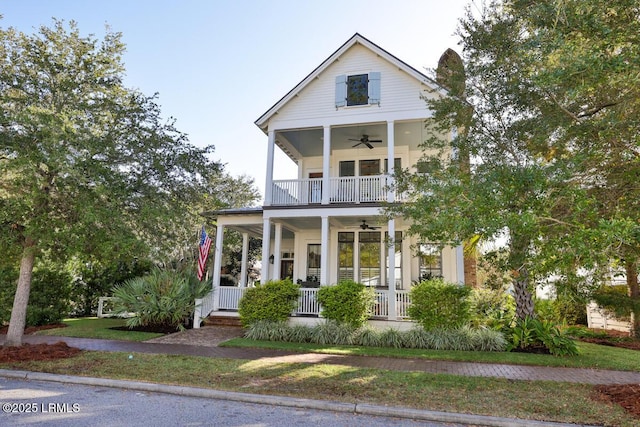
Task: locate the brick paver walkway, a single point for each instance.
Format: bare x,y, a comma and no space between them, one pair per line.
514,372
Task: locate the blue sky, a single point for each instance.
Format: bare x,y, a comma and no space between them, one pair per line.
219,64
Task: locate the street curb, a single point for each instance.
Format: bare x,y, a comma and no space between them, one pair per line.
358,408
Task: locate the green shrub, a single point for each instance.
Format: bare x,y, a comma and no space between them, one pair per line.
266,330
299,333
347,302
616,301
162,299
49,296
391,338
367,336
493,308
93,280
438,304
332,332
531,333
273,301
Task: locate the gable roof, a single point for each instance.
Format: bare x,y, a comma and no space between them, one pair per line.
355,39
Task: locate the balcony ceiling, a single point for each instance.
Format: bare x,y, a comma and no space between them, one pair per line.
308,142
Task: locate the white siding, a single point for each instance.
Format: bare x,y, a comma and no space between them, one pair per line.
316,102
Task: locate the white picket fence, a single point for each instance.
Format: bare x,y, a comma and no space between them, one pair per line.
598,318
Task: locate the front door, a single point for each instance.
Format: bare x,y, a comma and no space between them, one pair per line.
286,269
315,187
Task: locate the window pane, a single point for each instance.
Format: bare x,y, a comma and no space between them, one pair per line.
369,167
358,89
430,261
348,168
345,255
397,165
313,263
370,246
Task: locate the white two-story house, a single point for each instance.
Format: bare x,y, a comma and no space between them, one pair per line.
348,125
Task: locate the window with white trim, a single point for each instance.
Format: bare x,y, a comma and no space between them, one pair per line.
430,256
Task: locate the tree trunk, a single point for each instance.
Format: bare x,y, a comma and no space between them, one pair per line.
523,297
521,293
631,268
21,300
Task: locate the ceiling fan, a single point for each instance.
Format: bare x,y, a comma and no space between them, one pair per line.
365,140
365,226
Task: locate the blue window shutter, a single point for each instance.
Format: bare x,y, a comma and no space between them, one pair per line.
374,88
341,90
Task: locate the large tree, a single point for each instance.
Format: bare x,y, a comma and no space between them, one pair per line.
87,165
549,123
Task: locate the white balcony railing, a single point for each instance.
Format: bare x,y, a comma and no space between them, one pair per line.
352,189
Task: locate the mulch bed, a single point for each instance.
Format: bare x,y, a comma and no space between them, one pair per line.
28,352
625,395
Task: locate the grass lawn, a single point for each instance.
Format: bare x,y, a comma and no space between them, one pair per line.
93,327
538,400
591,355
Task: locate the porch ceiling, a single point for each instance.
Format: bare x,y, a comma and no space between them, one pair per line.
308,142
296,224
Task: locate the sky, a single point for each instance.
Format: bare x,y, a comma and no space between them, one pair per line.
218,65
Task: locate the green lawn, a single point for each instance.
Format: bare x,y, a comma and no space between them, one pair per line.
93,327
592,355
537,400
534,400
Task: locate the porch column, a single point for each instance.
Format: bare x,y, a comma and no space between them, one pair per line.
391,193
391,277
243,261
460,265
217,264
326,157
324,252
269,181
266,241
277,252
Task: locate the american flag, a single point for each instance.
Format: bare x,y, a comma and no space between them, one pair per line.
205,243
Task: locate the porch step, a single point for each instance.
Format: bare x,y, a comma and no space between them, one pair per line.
222,321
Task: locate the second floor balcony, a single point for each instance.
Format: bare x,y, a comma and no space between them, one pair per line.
342,190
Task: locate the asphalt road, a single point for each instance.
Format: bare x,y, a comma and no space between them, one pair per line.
41,403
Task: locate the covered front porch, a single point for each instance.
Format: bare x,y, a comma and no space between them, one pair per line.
325,245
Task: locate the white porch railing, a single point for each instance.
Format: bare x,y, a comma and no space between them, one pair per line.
352,189
307,303
230,296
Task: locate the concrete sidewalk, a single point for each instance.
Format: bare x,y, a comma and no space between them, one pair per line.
513,372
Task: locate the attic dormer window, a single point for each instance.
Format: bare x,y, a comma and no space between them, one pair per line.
358,89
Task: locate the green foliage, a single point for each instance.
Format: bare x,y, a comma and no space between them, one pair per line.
531,333
368,337
163,298
49,300
616,300
493,308
333,333
438,304
273,301
347,302
93,280
391,338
